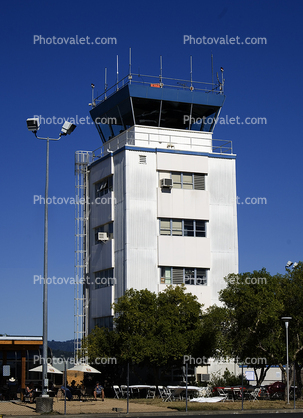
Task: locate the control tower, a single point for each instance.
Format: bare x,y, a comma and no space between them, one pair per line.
162,194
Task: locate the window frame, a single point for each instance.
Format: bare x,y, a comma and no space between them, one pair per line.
184,183
183,229
107,188
194,280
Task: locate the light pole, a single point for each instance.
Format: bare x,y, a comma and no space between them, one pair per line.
33,125
286,320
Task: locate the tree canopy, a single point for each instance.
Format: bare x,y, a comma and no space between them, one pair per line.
249,326
155,330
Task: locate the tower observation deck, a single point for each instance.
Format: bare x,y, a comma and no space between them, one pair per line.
157,102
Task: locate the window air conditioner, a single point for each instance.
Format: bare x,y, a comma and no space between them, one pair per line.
166,183
102,236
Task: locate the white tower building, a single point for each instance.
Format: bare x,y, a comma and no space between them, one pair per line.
162,195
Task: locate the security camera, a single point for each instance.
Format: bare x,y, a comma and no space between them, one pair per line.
67,128
33,124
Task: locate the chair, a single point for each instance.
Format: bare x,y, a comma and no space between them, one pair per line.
117,391
255,394
222,394
151,393
167,394
123,389
135,392
161,392
237,394
171,395
85,394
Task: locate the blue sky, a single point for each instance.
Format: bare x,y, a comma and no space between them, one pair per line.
262,81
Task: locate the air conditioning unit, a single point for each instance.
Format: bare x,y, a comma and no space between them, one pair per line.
102,236
167,183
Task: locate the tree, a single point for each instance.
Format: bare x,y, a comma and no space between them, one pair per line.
157,330
154,330
250,322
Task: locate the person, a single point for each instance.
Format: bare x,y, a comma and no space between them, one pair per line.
29,391
75,390
67,390
99,390
12,386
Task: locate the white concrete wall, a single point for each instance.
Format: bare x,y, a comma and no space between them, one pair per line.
152,137
274,374
184,251
137,251
141,221
183,204
222,228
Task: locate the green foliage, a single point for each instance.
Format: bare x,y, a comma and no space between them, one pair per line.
157,329
151,329
249,325
228,379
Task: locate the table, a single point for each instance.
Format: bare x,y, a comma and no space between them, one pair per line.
137,388
235,392
175,391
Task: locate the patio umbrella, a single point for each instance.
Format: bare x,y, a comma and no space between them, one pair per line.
50,369
84,367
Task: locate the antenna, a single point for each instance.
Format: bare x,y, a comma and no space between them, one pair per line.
105,81
130,66
130,62
222,71
212,70
93,100
117,72
191,73
161,70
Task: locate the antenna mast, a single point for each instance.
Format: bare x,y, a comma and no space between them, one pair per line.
191,72
161,70
117,72
212,70
105,81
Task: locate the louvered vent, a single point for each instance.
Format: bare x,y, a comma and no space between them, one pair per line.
142,159
177,276
199,181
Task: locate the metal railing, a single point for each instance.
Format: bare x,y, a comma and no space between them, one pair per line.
216,146
159,82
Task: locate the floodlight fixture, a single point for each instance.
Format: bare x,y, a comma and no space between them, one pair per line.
295,265
286,319
289,263
67,128
33,124
92,85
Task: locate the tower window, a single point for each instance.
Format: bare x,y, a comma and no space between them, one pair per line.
190,181
186,275
183,227
104,186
